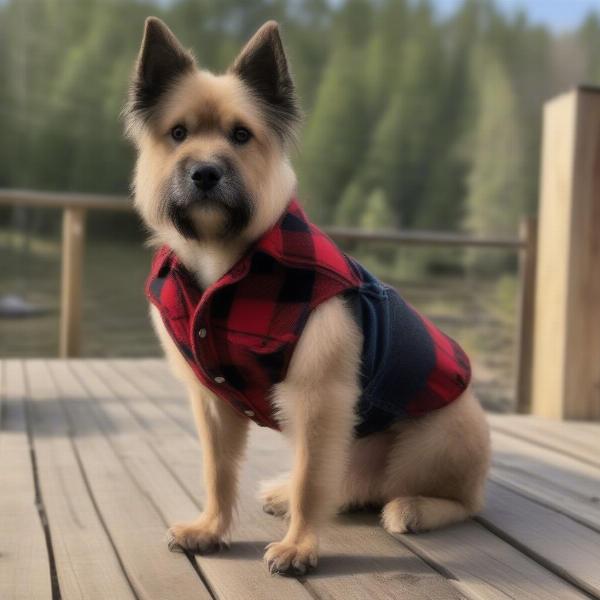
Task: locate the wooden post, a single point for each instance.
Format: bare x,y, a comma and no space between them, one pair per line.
73,235
566,366
527,268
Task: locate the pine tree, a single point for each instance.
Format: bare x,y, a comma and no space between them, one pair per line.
377,213
351,206
399,155
496,181
336,136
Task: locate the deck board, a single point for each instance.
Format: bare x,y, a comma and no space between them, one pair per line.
24,564
563,545
381,570
570,439
480,564
228,578
117,460
85,561
136,527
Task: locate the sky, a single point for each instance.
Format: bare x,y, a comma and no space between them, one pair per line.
559,15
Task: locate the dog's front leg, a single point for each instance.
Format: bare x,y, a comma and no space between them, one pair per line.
223,435
320,451
316,403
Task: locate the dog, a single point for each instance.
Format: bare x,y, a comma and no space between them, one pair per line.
265,320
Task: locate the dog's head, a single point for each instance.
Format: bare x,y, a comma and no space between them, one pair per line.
212,149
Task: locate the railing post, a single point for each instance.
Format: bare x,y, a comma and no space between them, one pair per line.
73,236
527,266
566,365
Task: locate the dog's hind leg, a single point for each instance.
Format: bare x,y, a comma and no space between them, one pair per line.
275,496
411,515
437,468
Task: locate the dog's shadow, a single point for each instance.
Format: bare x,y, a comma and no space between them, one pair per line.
334,565
381,560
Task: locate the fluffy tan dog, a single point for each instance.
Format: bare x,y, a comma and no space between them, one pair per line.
212,176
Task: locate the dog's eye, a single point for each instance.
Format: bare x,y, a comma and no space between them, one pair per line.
240,135
179,133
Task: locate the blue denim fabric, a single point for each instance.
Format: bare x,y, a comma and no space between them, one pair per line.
397,357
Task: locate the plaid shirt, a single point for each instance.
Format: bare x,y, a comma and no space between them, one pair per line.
239,334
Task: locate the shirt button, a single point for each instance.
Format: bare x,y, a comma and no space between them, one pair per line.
249,413
220,379
202,333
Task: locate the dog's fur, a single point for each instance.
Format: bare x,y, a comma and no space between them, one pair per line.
427,472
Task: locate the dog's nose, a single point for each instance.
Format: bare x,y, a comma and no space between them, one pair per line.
206,176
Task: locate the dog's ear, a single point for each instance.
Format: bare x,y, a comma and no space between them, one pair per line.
263,67
162,59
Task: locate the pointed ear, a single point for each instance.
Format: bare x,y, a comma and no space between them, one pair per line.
263,67
161,61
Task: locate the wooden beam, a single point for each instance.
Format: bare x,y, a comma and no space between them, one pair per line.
64,200
527,268
73,235
421,238
121,203
566,367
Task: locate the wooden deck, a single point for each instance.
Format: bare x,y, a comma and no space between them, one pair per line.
97,457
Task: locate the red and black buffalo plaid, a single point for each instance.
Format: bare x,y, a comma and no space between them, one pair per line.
239,334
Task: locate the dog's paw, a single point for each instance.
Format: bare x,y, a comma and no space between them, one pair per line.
197,537
291,559
402,515
275,497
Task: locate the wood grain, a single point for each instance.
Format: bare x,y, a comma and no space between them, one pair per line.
566,370
542,464
564,546
349,567
480,563
133,522
24,564
86,563
564,437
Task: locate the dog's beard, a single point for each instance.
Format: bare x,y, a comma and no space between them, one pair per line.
221,214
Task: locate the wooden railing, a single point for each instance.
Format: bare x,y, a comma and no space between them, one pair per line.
76,206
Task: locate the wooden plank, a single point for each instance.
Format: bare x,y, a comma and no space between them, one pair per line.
556,481
163,479
73,239
566,357
85,561
567,438
543,492
482,565
24,564
566,547
132,521
488,567
564,472
380,569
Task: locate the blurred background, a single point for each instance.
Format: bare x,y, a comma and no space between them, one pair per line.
420,115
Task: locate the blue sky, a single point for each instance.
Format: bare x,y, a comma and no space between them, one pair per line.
560,15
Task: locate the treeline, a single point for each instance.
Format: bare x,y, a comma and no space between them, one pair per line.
412,121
